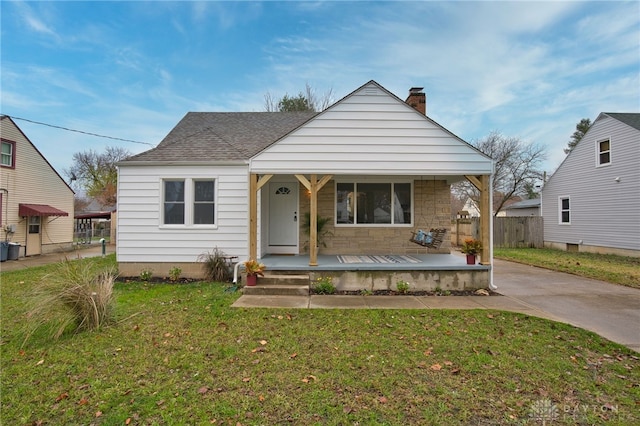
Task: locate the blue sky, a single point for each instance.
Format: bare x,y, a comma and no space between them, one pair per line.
132,70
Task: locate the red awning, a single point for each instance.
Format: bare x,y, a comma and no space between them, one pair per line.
39,210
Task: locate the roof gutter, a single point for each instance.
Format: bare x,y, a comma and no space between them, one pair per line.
182,163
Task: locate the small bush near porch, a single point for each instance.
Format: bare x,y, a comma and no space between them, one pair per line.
180,355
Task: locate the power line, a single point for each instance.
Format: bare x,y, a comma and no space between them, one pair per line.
77,131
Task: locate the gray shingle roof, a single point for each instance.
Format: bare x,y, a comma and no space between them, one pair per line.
223,136
629,118
524,204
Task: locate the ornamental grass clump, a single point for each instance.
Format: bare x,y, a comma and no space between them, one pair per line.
75,297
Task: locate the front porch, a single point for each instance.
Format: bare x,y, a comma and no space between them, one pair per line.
422,272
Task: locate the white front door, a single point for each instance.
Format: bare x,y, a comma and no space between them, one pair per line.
283,217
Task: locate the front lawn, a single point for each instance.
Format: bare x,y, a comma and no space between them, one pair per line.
179,354
605,267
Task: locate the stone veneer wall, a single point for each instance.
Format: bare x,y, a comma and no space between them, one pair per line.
432,209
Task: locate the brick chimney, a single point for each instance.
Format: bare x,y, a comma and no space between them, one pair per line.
418,100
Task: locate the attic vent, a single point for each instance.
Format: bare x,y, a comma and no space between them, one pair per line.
371,91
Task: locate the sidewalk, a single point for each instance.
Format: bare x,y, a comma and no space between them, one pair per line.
81,251
610,310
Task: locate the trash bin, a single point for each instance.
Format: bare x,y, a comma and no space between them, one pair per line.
4,251
14,251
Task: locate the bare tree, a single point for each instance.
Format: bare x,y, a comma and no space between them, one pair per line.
304,101
96,173
517,167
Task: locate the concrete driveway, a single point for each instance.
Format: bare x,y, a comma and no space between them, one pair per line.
610,310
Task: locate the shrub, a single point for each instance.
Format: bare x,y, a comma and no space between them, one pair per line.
402,286
174,273
146,274
324,285
75,297
216,266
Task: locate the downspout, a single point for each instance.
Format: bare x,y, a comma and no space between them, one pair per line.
492,286
235,271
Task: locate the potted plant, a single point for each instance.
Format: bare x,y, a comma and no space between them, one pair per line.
253,268
321,222
471,247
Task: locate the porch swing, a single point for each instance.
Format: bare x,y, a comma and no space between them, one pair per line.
434,236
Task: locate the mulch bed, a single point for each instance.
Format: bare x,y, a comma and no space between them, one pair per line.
413,293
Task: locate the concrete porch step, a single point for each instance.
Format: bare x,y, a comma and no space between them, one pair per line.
280,285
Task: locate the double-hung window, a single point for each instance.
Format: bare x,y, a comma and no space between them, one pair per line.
8,156
564,210
604,152
188,202
373,203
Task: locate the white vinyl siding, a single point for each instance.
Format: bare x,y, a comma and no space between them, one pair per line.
605,201
371,132
142,237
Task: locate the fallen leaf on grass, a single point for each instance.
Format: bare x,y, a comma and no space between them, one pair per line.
246,379
128,421
83,401
448,363
159,403
98,413
436,367
62,396
261,398
259,349
40,362
382,400
203,390
263,342
309,378
293,355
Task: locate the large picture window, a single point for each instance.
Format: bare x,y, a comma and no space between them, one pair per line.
189,201
364,203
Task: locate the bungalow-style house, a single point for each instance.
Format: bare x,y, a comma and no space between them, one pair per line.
254,185
36,204
591,202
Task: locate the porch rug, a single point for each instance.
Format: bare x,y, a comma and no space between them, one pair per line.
377,259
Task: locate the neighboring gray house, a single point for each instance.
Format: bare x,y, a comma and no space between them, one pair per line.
592,201
524,208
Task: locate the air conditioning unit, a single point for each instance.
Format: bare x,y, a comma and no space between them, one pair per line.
11,229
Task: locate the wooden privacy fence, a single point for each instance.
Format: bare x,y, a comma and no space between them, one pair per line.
508,232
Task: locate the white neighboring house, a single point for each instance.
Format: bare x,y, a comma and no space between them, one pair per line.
592,202
471,207
375,165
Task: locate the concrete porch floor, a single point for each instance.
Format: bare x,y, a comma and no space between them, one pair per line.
428,262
